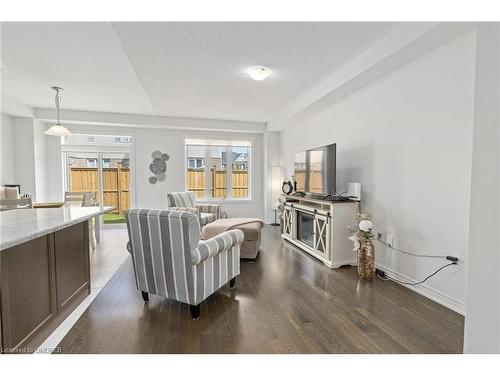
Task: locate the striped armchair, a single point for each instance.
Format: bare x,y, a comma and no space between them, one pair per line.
170,260
186,201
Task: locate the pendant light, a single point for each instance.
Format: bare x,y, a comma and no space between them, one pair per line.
58,130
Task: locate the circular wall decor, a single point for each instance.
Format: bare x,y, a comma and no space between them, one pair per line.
158,166
156,154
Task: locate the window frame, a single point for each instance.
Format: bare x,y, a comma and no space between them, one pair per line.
224,142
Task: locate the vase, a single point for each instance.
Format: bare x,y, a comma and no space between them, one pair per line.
366,259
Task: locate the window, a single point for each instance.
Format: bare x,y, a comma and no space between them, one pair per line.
196,163
207,173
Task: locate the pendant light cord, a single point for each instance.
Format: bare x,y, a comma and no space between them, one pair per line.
58,101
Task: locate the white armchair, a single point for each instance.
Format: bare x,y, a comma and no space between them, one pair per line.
171,261
186,201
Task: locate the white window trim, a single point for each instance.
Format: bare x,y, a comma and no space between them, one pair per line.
228,143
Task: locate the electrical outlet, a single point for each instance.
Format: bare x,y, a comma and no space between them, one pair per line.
390,240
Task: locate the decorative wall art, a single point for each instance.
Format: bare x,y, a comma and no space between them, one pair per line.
158,166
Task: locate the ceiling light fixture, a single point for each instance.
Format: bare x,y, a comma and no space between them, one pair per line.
58,130
259,73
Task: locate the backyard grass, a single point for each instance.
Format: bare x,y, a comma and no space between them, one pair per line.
114,218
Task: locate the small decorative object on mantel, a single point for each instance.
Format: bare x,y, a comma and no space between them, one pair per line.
363,244
158,166
287,187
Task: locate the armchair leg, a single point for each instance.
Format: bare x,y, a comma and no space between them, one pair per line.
195,311
232,283
145,296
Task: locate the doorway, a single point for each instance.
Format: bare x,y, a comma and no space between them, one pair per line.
104,171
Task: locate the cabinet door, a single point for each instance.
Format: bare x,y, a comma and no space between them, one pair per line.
321,236
72,265
287,221
28,293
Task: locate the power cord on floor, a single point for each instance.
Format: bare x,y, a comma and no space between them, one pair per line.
382,275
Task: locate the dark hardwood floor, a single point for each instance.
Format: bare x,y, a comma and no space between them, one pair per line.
284,302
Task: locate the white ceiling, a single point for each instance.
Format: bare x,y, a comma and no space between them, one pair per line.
175,69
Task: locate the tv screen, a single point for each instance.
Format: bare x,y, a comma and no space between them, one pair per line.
315,170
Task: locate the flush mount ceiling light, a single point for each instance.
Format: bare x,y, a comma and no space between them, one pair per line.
58,130
259,73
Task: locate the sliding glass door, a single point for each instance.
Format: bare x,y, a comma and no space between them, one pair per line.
82,174
115,185
106,175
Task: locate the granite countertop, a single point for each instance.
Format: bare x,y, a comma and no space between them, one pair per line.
22,225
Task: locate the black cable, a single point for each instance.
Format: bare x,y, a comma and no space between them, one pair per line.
420,282
411,253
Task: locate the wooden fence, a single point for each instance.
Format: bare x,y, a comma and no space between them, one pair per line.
196,183
115,183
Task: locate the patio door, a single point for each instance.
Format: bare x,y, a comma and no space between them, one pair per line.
106,175
82,174
115,191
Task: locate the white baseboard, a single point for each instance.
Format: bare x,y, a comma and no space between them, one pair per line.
426,291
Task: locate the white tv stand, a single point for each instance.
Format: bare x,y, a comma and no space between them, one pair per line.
319,227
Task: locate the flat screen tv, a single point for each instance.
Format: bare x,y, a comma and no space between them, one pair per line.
315,170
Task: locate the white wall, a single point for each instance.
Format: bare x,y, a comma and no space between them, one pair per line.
170,141
7,174
41,163
482,322
24,155
407,139
271,159
54,173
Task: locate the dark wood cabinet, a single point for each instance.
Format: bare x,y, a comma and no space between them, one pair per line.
72,266
41,282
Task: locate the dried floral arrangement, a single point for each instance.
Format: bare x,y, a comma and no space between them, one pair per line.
362,237
280,205
363,227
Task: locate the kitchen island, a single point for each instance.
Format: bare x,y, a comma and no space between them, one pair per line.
44,271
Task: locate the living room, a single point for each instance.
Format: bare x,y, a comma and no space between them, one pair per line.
249,187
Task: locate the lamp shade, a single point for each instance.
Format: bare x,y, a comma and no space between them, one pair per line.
276,180
57,130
